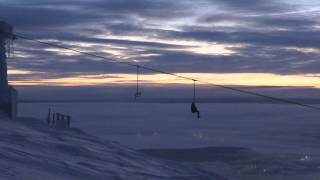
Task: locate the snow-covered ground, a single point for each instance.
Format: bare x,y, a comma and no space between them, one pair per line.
247,141
29,149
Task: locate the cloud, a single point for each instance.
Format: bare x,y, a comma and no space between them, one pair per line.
268,22
292,38
34,17
266,39
144,8
251,6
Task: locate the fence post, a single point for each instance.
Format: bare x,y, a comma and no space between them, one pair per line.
49,117
68,121
57,120
53,119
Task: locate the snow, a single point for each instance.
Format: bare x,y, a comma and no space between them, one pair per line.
264,127
257,141
29,149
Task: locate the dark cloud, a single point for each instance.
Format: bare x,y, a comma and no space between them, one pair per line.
252,6
27,17
143,8
302,39
151,8
270,38
295,23
287,22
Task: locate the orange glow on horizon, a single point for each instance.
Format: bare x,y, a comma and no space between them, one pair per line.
18,72
236,79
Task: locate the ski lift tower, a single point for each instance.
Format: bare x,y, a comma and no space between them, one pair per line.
8,95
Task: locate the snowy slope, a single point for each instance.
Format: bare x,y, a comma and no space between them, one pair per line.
237,140
31,150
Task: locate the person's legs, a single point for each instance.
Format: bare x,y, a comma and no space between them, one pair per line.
198,112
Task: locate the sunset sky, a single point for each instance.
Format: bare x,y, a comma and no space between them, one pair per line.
230,42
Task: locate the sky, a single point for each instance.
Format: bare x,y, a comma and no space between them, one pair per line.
230,42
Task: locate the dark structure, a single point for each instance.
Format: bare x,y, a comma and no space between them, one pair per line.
8,95
58,121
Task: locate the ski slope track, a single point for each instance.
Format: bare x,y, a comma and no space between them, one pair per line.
29,149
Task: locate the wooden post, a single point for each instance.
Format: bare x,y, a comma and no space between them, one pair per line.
68,121
49,117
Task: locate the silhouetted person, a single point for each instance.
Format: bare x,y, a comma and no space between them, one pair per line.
194,109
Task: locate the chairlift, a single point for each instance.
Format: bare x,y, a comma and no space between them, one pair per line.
194,108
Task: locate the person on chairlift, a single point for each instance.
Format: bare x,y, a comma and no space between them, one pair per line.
194,109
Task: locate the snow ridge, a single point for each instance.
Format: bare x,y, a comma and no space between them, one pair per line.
31,150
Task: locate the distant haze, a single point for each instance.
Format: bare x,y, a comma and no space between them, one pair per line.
178,93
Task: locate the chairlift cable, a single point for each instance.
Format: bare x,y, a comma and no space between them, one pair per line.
168,73
137,78
138,93
194,91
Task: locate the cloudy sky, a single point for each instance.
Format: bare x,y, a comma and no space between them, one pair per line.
235,42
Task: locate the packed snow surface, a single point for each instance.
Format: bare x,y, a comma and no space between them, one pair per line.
29,149
246,141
